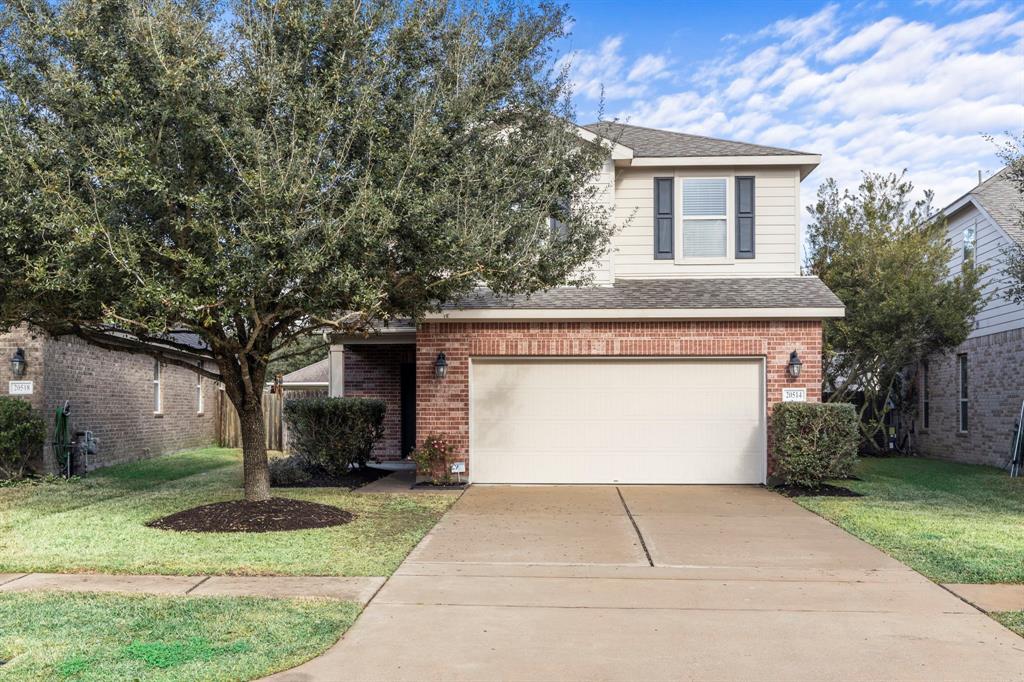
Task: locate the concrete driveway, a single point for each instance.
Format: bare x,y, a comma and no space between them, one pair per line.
658,583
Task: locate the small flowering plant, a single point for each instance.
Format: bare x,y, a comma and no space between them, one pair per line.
433,458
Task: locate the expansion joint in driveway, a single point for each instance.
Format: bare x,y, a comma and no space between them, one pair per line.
640,535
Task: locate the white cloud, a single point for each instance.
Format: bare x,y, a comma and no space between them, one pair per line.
650,66
804,30
865,39
594,73
882,96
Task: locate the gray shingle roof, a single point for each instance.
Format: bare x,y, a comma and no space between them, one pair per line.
1000,198
665,143
319,371
761,292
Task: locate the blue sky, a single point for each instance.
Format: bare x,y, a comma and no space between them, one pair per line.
871,86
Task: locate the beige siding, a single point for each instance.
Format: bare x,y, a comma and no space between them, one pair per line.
777,220
605,197
999,314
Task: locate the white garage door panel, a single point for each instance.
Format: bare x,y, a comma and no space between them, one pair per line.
617,421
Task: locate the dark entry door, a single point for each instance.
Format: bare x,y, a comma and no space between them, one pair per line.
407,392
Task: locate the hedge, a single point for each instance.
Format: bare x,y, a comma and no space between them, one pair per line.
334,434
814,442
22,433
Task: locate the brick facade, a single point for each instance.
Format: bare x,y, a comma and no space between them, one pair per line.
995,365
374,371
442,406
111,394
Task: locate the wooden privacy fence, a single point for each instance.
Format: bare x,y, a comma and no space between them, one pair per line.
229,431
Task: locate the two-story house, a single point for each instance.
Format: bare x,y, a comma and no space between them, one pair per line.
664,371
969,399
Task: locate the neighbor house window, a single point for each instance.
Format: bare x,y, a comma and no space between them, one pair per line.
961,362
705,219
199,389
158,394
969,237
925,396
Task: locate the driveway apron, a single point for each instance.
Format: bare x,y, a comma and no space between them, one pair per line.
658,583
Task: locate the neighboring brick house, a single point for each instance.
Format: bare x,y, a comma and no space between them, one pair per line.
969,399
135,407
665,371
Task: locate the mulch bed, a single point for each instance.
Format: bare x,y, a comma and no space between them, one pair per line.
441,486
355,478
823,490
242,516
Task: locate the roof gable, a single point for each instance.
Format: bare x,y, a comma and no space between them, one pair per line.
649,142
1000,199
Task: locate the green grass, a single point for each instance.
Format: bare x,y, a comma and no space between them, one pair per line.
97,524
955,523
1011,619
84,637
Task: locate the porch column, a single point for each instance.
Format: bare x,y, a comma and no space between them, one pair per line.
336,361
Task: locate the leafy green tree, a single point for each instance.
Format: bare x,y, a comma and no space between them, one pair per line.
887,258
1012,153
255,172
302,351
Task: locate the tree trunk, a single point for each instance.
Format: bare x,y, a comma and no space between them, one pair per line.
256,474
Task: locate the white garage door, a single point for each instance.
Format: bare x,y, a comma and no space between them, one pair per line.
617,421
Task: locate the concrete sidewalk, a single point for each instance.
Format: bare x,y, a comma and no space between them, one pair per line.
990,598
658,583
359,590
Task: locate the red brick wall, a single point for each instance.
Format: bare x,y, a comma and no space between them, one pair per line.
995,377
111,395
373,371
33,347
442,406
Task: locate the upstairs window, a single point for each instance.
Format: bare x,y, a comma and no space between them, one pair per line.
969,237
560,213
705,217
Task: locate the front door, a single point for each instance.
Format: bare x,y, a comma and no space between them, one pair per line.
407,391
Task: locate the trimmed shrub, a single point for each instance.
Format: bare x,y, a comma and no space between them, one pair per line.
288,471
814,442
334,434
22,433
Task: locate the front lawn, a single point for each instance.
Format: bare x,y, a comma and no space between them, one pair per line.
97,524
955,523
85,637
1011,619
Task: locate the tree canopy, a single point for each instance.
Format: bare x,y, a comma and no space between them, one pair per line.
887,258
1012,153
253,171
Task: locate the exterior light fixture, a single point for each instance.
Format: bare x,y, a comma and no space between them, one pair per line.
794,365
441,366
18,364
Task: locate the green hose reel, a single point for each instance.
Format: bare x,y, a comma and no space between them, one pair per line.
62,439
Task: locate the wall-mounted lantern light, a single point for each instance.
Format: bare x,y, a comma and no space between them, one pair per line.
794,365
441,366
18,364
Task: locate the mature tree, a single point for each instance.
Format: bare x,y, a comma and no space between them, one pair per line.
887,258
255,172
1012,153
303,351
